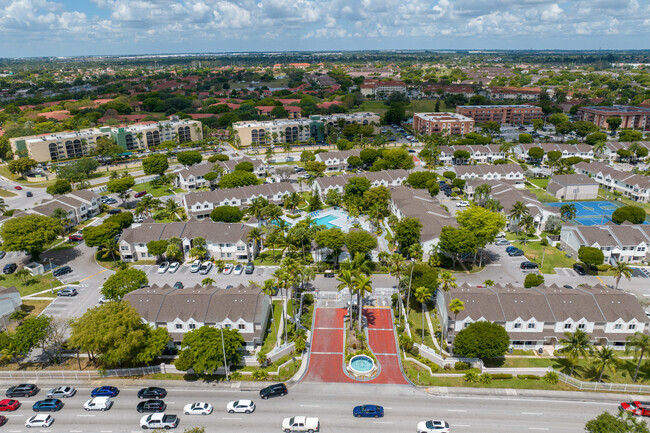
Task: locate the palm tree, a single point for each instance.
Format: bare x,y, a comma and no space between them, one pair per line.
493,205
346,280
207,281
621,269
422,295
292,201
528,224
255,236
147,205
575,346
362,286
604,358
641,344
174,210
599,148
518,211
447,280
257,206
3,205
568,211
62,216
456,306
482,193
269,290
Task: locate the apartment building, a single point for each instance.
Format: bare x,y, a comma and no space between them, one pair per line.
442,123
631,117
539,316
572,187
612,148
200,204
387,178
514,93
634,186
179,311
506,114
381,89
505,172
478,154
223,240
76,144
337,160
193,177
584,151
625,243
79,206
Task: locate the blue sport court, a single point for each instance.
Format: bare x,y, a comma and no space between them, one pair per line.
591,213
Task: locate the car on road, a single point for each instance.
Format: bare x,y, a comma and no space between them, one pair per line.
9,268
178,285
250,267
75,238
240,406
368,411
228,268
638,408
462,203
159,421
2,254
528,265
173,267
140,194
151,406
433,426
198,408
9,405
40,420
196,265
22,390
163,267
580,270
18,187
98,403
61,392
114,211
502,242
48,405
238,269
68,291
205,269
63,270
275,390
516,253
29,194
300,424
105,391
152,392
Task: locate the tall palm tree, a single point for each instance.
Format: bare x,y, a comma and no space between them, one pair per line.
292,201
599,148
568,211
447,280
256,208
575,346
493,205
456,306
528,224
283,281
269,290
256,235
518,211
362,286
621,269
174,210
346,281
147,205
604,358
641,344
3,205
422,295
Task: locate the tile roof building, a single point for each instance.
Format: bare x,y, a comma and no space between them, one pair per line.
619,243
442,123
572,187
79,205
631,185
387,178
337,160
631,117
510,114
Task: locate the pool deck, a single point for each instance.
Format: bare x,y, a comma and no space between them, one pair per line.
341,220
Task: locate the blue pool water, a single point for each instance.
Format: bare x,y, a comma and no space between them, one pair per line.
326,221
362,364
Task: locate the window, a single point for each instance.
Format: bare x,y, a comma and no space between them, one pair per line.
192,326
618,326
227,326
241,326
465,325
179,326
632,326
581,326
241,248
517,325
567,326
531,326
124,248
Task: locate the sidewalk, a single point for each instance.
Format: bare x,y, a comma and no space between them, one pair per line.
529,393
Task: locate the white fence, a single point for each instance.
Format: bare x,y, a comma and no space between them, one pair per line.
73,374
432,355
599,386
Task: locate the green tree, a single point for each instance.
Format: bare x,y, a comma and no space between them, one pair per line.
614,123
621,423
621,269
31,333
591,256
29,233
419,179
314,202
583,128
537,124
526,138
457,241
237,179
245,166
122,282
96,236
557,118
361,285
633,214
226,214
422,295
333,239
604,358
533,280
78,170
202,351
575,346
536,153
360,242
61,186
490,127
484,224
207,281
316,167
407,233
517,213
568,211
346,281
155,164
189,157
307,155
456,306
212,177
157,248
121,186
484,340
108,148
595,137
21,165
640,342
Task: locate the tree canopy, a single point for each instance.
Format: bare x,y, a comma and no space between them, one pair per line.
227,214
360,242
633,214
484,340
122,282
407,233
189,157
29,233
202,351
155,164
591,256
238,178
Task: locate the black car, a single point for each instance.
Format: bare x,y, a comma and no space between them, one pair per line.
278,389
30,194
528,265
178,285
152,392
9,268
580,270
114,211
22,390
2,254
62,271
250,267
152,406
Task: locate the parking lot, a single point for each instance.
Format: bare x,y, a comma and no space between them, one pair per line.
190,279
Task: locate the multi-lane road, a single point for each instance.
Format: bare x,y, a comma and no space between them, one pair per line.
404,407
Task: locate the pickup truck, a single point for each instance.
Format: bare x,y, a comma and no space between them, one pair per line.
300,424
638,408
159,420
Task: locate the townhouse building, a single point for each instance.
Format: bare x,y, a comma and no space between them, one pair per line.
572,187
453,89
259,169
193,177
506,172
179,311
478,154
337,160
631,117
381,89
200,204
619,243
584,151
76,144
633,186
540,316
442,123
612,147
79,206
514,93
387,178
224,241
506,114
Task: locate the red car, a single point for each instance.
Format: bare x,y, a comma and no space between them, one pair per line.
9,405
18,187
75,238
638,408
140,194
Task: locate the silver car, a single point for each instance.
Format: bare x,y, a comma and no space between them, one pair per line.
61,392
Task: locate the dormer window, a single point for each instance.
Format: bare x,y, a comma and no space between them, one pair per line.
581,326
517,325
631,326
531,326
567,326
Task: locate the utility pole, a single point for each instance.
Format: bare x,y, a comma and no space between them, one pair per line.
223,348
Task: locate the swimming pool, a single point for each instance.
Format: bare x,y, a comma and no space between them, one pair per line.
327,221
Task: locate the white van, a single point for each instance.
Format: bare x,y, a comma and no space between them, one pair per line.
98,403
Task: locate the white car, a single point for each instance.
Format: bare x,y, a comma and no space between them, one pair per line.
462,204
238,269
198,408
40,420
102,300
228,268
196,265
98,403
239,406
433,426
163,267
173,267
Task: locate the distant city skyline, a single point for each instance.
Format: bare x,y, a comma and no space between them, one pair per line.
37,28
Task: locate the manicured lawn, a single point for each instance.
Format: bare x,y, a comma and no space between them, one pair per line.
415,106
553,258
33,284
7,193
520,362
415,320
624,371
265,258
542,183
541,194
154,190
270,337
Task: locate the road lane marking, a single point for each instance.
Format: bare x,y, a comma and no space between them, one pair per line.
76,431
462,425
382,422
537,428
103,270
532,413
309,405
456,410
229,417
83,414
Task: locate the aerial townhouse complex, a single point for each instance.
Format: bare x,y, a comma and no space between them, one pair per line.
510,114
63,145
631,117
625,243
442,123
634,186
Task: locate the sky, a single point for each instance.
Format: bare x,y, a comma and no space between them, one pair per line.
36,28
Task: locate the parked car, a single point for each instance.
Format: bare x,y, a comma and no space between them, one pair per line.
22,390
368,411
75,238
61,392
300,424
163,267
9,405
433,426
159,421
462,203
152,392
48,405
580,270
62,271
98,403
140,194
502,242
9,268
528,265
178,285
511,248
105,391
250,267
2,254
205,269
173,267
196,265
198,408
516,253
329,274
638,408
151,406
275,390
68,291
102,300
228,268
110,200
40,420
238,269
29,194
114,211
240,406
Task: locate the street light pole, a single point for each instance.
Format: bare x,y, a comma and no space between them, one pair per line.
408,296
51,288
223,348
